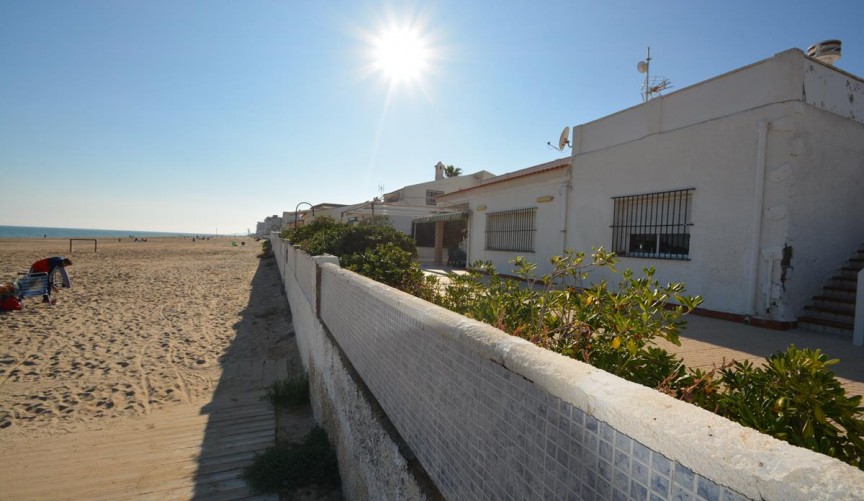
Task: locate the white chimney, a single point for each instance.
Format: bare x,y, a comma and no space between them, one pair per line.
828,51
439,171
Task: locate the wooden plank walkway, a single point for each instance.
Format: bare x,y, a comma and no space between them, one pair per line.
183,452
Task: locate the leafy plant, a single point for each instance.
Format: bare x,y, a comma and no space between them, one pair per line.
286,467
794,397
290,393
610,329
375,250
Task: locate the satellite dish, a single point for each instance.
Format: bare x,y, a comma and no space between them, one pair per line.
642,66
564,140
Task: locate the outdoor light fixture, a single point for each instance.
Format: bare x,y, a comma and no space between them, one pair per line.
295,212
545,198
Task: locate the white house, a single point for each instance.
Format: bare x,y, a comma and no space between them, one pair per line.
414,202
746,187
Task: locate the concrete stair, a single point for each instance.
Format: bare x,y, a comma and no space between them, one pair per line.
833,311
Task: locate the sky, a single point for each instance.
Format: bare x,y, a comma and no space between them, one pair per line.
208,116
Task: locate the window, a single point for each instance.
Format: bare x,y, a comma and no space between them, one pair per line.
511,230
655,225
430,196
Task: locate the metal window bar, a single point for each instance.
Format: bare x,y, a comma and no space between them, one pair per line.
511,230
653,225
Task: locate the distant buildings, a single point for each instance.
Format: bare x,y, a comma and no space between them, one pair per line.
270,223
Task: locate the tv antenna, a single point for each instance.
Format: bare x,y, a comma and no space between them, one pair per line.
563,140
651,86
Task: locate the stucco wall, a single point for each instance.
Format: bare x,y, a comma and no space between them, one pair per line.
707,137
826,206
490,416
548,219
371,464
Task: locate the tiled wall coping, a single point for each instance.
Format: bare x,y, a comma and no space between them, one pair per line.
736,458
756,465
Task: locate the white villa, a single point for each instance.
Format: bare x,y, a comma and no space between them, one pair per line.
411,206
746,187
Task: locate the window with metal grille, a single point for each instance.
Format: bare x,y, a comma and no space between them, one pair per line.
655,225
430,196
511,230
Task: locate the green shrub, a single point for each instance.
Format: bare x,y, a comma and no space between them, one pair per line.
290,393
375,250
609,329
286,467
794,397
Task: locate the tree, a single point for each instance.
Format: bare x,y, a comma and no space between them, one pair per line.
451,171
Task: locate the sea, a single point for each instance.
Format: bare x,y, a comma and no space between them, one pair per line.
45,232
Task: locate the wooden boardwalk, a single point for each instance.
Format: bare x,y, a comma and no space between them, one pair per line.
182,452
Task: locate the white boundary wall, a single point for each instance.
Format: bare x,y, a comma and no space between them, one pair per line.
491,416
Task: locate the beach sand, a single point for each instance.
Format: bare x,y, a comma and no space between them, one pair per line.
144,326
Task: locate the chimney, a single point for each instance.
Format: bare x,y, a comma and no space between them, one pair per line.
439,171
828,51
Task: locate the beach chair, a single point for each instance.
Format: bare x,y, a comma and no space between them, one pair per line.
31,285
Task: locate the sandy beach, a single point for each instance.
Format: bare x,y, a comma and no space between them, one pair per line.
144,326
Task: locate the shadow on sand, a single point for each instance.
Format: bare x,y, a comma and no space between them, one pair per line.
241,422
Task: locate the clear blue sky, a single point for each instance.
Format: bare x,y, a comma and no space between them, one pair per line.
193,116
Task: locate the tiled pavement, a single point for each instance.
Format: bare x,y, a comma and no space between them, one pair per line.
707,341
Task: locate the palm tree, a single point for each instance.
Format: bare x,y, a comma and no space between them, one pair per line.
451,171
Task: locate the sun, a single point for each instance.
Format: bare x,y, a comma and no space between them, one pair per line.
401,55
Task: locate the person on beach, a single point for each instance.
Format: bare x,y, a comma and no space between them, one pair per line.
49,265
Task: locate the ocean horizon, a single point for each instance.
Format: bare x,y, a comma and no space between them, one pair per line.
48,232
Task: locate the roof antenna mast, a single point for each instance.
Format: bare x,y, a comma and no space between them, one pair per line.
651,86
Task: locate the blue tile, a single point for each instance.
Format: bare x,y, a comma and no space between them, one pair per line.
621,480
605,470
605,450
638,492
707,489
604,489
660,464
680,493
730,495
683,476
640,472
591,424
607,433
641,453
622,460
660,484
618,495
622,442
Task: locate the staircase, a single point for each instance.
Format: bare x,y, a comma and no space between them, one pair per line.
833,311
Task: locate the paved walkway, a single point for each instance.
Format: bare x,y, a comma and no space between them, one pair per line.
707,341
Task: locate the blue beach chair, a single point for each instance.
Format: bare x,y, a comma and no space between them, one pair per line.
32,285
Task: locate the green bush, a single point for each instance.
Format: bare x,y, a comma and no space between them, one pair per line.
286,467
609,329
375,250
793,397
290,393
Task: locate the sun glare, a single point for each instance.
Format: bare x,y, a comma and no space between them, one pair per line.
400,55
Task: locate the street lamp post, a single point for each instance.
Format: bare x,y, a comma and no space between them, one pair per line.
298,207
